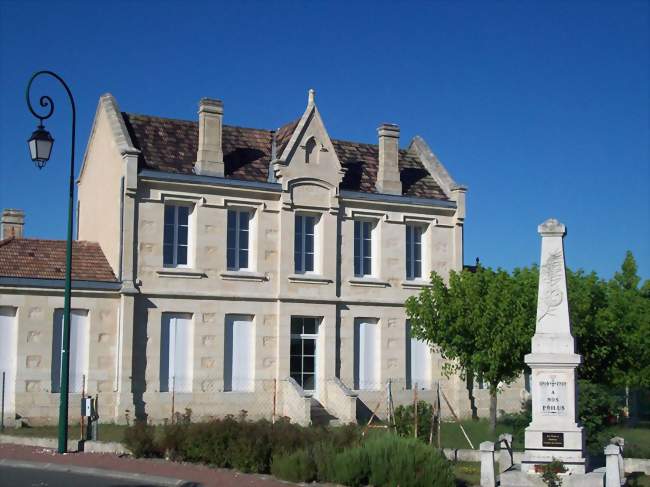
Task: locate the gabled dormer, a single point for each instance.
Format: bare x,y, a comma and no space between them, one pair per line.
309,159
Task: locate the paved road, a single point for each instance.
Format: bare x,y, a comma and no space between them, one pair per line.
32,477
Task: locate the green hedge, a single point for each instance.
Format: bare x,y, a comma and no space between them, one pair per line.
384,459
296,453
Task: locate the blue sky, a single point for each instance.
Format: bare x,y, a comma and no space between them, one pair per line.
541,108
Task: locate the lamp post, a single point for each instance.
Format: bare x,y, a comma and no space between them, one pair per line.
40,147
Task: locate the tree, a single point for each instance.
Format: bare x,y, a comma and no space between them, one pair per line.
481,322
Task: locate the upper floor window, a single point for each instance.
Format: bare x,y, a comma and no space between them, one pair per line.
176,238
303,250
238,239
362,248
413,251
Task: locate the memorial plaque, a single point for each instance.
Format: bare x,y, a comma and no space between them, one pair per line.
553,440
552,394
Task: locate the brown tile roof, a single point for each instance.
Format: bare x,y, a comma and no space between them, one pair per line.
170,145
45,259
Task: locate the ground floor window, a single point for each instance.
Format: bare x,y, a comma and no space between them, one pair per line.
239,354
78,352
176,352
304,338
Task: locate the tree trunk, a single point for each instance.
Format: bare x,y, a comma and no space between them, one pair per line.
493,409
470,394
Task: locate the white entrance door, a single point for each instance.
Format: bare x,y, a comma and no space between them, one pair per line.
8,329
304,352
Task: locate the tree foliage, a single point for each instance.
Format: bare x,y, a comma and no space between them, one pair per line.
483,321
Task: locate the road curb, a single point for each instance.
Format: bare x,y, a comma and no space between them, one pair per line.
98,472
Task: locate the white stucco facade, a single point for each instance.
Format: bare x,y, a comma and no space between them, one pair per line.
122,207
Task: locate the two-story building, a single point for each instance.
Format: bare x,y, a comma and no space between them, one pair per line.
236,269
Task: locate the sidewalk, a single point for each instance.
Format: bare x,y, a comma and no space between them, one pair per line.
205,476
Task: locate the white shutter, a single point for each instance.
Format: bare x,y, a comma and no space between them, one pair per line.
420,364
239,370
8,330
78,353
78,350
176,352
368,365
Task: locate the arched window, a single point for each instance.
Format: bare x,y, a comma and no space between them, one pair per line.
310,151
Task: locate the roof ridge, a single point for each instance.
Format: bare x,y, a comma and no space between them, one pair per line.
194,122
37,239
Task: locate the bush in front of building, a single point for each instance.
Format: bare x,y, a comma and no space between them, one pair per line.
140,439
298,466
405,420
232,442
383,459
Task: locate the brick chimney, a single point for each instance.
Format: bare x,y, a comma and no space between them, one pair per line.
388,181
12,223
209,158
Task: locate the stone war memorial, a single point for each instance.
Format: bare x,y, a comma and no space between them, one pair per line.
554,432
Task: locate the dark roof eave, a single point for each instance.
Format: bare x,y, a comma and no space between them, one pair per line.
77,285
395,198
210,180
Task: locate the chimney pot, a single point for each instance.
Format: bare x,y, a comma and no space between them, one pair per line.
209,157
388,181
12,223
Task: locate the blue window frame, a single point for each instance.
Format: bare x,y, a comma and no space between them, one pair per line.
413,251
362,248
176,235
303,250
238,239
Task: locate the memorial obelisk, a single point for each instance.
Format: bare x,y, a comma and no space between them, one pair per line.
553,431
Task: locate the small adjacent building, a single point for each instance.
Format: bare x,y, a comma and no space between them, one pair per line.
222,268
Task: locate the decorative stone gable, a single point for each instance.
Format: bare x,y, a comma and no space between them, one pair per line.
309,159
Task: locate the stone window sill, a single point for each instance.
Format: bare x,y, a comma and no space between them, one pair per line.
415,284
309,279
243,276
181,272
368,282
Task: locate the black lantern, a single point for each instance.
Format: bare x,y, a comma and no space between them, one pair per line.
40,146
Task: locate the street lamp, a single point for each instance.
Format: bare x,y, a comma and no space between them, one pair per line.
40,147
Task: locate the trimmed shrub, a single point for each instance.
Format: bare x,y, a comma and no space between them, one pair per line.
140,440
251,450
298,466
324,455
351,467
406,462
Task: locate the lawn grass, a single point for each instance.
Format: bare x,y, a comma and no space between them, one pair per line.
637,440
467,473
107,432
478,432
